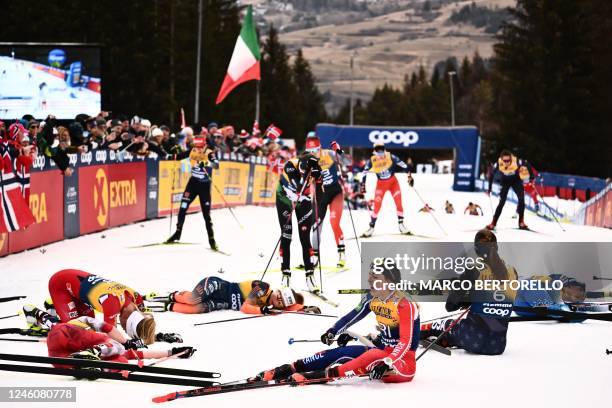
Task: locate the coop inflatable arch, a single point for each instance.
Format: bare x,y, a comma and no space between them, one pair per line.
465,140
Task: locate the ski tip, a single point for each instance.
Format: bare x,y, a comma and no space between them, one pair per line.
164,398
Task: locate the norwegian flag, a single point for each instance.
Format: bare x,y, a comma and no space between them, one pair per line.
273,132
15,213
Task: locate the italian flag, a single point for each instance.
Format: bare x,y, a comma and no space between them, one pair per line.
244,65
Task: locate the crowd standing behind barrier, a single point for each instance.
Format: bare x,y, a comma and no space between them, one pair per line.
107,190
94,173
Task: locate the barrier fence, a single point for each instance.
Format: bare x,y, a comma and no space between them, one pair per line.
109,189
598,210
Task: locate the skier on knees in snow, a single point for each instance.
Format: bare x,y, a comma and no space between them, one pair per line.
385,165
203,159
329,193
293,189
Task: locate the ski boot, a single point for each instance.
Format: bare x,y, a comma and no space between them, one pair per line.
491,226
175,237
311,282
370,230
38,321
50,308
341,256
92,354
159,297
283,372
522,225
286,280
402,228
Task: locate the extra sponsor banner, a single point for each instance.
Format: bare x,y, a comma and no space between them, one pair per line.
127,193
264,186
47,205
94,204
231,180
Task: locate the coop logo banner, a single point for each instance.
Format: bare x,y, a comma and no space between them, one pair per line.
532,274
394,136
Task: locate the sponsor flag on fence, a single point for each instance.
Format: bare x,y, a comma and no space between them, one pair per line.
244,65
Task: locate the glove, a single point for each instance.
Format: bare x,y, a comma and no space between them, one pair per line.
378,371
336,148
343,339
327,338
312,309
266,310
134,344
410,181
169,337
312,163
189,351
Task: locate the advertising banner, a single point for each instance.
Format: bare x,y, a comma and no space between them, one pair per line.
94,205
152,187
464,140
3,244
127,193
232,180
47,205
71,206
173,178
264,186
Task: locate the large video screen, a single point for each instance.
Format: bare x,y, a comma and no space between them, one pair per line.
62,80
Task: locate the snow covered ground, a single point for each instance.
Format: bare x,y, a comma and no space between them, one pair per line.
545,364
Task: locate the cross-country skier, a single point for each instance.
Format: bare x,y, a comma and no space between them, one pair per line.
251,296
203,159
483,331
76,293
89,338
293,196
572,292
385,165
330,193
393,358
448,207
513,172
473,209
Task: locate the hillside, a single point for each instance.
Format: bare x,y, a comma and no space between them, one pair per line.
389,38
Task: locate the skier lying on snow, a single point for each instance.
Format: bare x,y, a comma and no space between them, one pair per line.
251,296
392,357
573,292
86,337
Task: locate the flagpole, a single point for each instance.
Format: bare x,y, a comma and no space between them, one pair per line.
257,103
196,116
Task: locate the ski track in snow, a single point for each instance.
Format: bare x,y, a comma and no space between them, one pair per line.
540,357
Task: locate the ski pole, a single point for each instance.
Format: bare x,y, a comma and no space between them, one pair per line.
318,224
232,320
430,212
292,340
448,329
286,222
8,299
305,314
174,171
551,211
8,317
159,360
223,198
601,278
441,317
348,204
26,340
